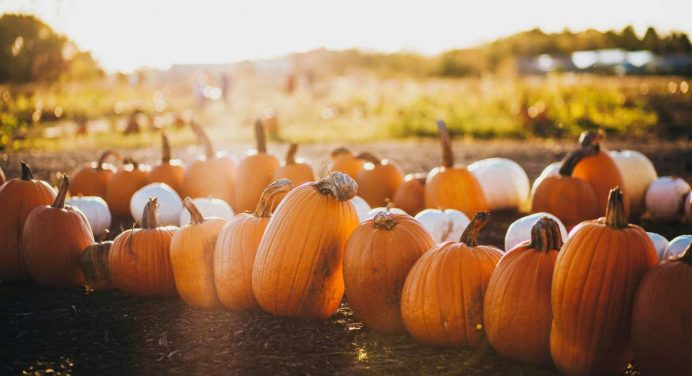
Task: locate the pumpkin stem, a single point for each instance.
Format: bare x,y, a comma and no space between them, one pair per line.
447,154
150,216
166,149
470,235
686,256
615,211
337,184
592,138
59,202
574,157
131,161
338,151
196,216
545,235
272,196
104,156
26,172
369,157
203,139
291,154
261,137
384,220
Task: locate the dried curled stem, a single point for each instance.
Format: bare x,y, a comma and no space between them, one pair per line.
150,215
384,220
447,154
196,216
337,184
545,235
59,202
470,235
615,211
272,196
574,157
592,138
26,172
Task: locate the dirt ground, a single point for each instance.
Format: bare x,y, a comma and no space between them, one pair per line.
70,331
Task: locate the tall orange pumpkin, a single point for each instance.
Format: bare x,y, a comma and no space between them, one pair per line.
123,184
453,187
192,258
377,259
596,277
378,180
18,197
410,196
54,238
236,247
343,160
255,172
297,172
442,299
92,178
139,260
170,171
298,268
516,309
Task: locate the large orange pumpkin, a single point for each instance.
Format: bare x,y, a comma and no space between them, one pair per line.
442,299
92,178
123,184
596,277
18,197
298,172
410,196
170,171
192,258
139,261
236,247
54,238
343,160
517,312
377,259
453,187
298,268
378,180
255,172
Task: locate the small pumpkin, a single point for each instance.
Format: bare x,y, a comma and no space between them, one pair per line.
520,230
517,312
171,171
676,246
255,172
378,180
123,184
18,197
443,224
54,238
660,243
209,207
442,299
297,171
637,173
92,178
665,198
594,284
192,258
410,196
95,266
378,256
298,268
343,160
453,187
170,203
95,210
362,208
236,247
504,182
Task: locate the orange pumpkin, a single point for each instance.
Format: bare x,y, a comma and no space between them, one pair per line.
410,196
517,312
54,238
378,180
571,199
18,197
255,172
92,178
345,161
596,277
139,261
95,266
192,258
298,268
123,184
236,247
213,175
297,172
453,187
661,324
170,171
377,258
442,299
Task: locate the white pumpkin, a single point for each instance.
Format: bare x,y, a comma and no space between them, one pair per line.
209,207
677,246
660,243
664,198
443,225
95,210
170,204
638,172
362,208
373,212
520,230
505,184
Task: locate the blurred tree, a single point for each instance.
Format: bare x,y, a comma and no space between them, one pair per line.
651,40
629,39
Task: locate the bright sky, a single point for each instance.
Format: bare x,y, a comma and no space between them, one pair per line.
126,34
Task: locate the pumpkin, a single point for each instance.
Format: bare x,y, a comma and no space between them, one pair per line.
520,230
442,299
552,169
444,225
410,196
378,180
298,268
595,280
18,197
453,187
139,260
170,203
95,210
208,207
170,171
677,246
255,172
297,171
599,169
378,256
343,160
53,240
389,208
504,182
236,247
517,312
95,266
660,243
213,175
637,173
123,184
665,198
192,258
661,323
3,179
362,208
571,199
92,178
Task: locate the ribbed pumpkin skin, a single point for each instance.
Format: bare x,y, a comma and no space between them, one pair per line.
211,177
171,173
410,196
376,263
603,174
122,185
254,174
89,180
297,173
378,185
570,199
347,163
454,188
